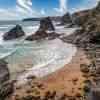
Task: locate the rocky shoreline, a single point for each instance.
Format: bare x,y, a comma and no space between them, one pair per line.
87,38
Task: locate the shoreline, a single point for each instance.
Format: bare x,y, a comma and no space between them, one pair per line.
48,67
69,79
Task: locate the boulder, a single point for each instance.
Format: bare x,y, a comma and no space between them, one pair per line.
6,87
46,24
14,33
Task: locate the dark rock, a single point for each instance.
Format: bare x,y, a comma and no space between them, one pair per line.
89,21
42,35
6,87
96,94
14,33
53,35
37,36
46,24
84,68
66,19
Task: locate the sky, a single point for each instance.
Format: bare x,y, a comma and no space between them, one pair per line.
19,9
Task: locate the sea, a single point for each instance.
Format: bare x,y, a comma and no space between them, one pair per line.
38,58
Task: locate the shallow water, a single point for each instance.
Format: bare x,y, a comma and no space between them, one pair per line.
52,54
39,57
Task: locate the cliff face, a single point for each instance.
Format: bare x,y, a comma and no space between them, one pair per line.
89,21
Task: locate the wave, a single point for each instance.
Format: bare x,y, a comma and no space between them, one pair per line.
4,55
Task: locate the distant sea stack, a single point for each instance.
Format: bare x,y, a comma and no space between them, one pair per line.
32,19
14,33
46,24
46,30
5,86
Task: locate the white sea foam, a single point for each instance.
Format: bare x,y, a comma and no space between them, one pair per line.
30,29
57,54
65,31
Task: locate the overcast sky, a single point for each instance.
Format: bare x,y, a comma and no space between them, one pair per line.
18,9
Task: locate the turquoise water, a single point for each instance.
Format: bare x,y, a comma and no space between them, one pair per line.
26,55
45,55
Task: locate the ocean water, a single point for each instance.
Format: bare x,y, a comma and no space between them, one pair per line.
28,26
38,57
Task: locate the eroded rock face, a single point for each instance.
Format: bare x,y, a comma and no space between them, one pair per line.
5,86
89,21
46,24
14,33
66,19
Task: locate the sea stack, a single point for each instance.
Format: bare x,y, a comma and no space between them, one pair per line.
66,19
14,33
46,24
5,86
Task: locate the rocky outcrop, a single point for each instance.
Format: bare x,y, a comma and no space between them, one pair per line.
37,36
89,21
46,30
5,86
42,35
14,33
66,19
46,24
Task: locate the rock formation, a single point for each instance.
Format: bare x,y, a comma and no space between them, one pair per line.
42,35
89,21
14,33
37,36
46,24
5,86
66,19
44,31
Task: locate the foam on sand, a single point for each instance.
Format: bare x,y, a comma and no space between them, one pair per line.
61,54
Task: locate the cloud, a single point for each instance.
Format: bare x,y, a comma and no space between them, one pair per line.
62,6
88,4
22,10
43,12
24,6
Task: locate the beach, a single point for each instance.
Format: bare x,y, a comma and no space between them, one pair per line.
67,80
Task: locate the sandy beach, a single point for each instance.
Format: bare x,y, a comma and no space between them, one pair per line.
68,80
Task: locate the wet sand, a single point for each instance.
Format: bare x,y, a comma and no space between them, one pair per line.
68,80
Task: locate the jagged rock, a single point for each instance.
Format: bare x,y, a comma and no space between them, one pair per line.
6,87
42,35
14,33
89,21
66,19
37,36
46,24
